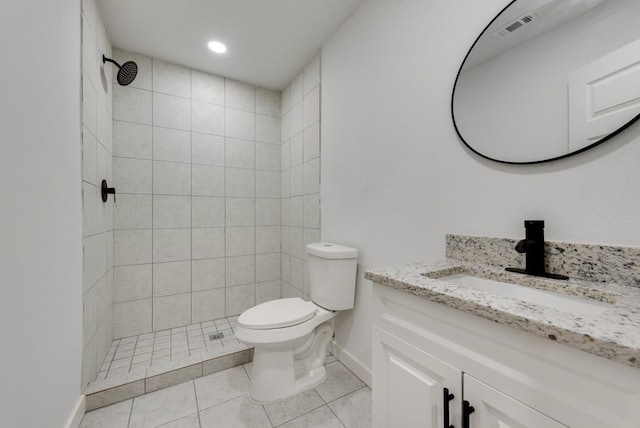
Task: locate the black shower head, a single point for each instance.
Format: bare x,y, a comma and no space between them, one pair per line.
126,72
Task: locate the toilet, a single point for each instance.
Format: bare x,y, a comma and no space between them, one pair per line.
291,336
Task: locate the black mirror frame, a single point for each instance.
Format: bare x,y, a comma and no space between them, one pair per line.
455,125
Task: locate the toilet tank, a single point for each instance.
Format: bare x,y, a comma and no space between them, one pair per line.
332,275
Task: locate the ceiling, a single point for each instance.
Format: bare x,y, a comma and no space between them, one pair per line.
268,41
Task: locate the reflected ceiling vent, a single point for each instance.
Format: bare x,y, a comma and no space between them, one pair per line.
525,19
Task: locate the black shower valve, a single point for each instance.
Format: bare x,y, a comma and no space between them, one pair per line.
106,190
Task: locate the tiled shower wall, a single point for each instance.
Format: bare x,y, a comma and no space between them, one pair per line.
300,163
97,131
197,218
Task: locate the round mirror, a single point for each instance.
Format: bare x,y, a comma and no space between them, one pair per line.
549,78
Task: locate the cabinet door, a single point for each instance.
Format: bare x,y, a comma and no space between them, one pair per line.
409,386
493,409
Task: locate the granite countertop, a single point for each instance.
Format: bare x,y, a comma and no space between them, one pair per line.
613,334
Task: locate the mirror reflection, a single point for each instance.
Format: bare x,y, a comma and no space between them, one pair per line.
548,78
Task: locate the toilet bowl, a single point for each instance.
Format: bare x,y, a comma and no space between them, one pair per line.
291,335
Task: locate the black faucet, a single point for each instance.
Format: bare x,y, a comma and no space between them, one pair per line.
533,246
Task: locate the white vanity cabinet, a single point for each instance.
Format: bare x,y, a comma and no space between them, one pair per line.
510,378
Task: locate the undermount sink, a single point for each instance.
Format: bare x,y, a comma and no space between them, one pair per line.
562,302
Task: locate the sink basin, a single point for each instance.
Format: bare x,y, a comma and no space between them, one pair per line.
562,302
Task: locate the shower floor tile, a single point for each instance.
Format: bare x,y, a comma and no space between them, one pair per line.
168,346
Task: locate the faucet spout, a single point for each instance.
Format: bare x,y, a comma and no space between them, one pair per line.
533,247
524,245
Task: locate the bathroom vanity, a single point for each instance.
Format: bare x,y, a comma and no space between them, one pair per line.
453,354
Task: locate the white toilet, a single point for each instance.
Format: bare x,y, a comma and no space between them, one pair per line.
291,336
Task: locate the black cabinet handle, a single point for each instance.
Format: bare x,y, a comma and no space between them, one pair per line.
467,409
447,397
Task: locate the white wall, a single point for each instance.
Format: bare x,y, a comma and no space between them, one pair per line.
40,215
395,178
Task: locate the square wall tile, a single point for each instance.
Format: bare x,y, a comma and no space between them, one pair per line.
207,118
132,140
297,180
171,245
208,243
131,247
89,104
239,95
240,270
296,149
296,217
206,87
208,180
296,89
240,211
311,142
207,149
267,211
240,182
268,267
267,101
171,211
312,176
267,129
239,153
131,318
132,175
296,117
311,74
171,145
171,178
312,211
267,156
207,211
132,104
171,78
171,112
132,212
239,124
207,274
267,184
266,291
171,311
208,305
240,298
132,283
267,239
89,156
312,107
171,278
240,241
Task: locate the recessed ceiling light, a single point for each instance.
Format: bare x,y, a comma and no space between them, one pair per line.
217,47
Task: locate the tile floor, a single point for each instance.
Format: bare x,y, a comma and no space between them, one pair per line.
221,400
152,349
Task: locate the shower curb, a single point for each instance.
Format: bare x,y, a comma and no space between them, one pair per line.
111,391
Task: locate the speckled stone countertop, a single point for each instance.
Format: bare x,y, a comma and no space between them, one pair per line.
612,334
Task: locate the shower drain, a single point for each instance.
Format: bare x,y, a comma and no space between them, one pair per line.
216,336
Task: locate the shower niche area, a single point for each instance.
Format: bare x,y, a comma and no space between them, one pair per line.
216,193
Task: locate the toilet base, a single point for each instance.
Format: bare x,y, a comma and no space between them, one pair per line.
283,370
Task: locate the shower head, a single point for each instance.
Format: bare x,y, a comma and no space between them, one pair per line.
126,72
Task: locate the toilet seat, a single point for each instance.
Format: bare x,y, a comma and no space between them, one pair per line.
276,314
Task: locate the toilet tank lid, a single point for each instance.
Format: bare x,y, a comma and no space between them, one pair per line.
327,250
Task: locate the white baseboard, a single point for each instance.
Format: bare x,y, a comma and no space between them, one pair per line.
352,364
77,413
